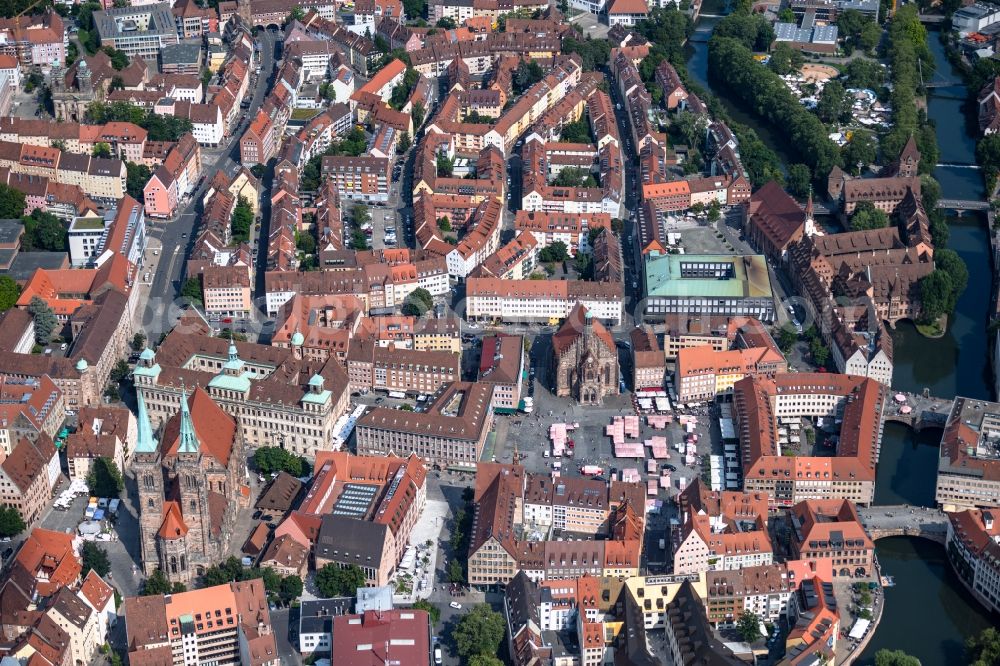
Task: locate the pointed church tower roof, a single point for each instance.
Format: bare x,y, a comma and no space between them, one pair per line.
188,439
145,443
910,150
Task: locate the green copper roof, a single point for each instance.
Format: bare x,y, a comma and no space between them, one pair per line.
298,339
82,365
746,276
239,383
234,362
151,371
318,398
189,441
146,443
146,355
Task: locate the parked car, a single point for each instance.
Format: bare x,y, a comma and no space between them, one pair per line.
456,605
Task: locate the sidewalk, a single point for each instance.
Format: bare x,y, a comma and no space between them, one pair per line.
427,530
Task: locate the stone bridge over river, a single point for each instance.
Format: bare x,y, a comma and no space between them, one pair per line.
916,521
918,411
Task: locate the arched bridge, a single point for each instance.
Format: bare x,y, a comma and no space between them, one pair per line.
904,520
918,411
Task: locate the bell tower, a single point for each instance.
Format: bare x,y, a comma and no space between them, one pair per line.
148,470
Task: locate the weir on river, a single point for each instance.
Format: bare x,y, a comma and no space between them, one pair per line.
955,364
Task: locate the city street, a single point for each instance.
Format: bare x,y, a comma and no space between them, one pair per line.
176,236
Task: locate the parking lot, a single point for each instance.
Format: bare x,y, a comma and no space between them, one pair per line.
124,548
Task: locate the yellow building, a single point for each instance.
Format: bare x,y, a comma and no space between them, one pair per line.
653,593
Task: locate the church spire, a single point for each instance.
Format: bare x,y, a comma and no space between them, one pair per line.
146,442
189,442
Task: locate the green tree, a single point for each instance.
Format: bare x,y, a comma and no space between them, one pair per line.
101,149
432,611
820,352
480,631
733,64
119,59
554,252
10,291
94,557
271,459
139,341
895,658
988,155
798,180
446,23
786,15
359,241
104,478
291,588
865,73
577,131
12,202
242,220
418,302
984,648
936,295
833,104
336,581
753,31
191,289
444,166
456,572
785,60
861,149
44,319
157,584
484,660
415,8
404,143
948,261
527,74
137,177
867,216
11,523
714,211
748,626
667,29
444,224
297,14
593,52
575,177
120,371
417,114
43,232
786,338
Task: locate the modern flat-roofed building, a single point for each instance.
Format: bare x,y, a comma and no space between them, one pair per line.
225,624
452,431
138,31
717,285
969,464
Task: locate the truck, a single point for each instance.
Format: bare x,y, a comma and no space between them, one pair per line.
591,470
